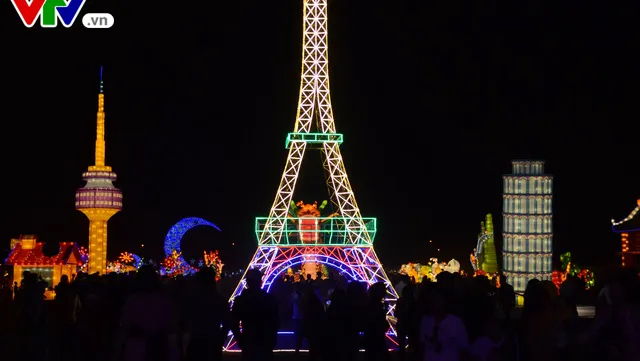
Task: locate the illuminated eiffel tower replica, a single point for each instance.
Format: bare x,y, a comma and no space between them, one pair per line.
344,240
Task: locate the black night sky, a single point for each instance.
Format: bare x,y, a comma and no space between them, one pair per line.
434,101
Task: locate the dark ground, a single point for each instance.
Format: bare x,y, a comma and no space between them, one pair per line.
280,356
586,314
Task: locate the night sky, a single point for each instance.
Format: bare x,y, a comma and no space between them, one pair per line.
434,102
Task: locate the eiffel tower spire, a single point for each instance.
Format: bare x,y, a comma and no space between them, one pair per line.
314,103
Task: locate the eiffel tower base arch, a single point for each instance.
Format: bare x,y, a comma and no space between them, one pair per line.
359,263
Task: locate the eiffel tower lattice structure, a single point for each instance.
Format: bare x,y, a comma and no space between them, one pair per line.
344,240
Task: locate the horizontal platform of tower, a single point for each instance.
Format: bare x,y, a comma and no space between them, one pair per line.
308,231
316,139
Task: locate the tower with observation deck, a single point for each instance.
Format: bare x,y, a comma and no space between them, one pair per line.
99,199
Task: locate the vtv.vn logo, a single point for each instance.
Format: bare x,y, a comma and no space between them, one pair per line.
50,11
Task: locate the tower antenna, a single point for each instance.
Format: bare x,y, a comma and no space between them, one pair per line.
100,143
101,82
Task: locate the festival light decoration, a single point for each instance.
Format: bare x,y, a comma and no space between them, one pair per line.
174,265
453,266
588,277
571,269
99,200
212,259
527,224
29,255
345,240
84,253
629,217
629,230
117,267
84,256
417,271
315,101
137,261
127,258
484,255
174,236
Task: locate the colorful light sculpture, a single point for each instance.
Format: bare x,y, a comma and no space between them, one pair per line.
629,230
174,236
484,255
30,255
344,241
125,257
174,264
527,229
568,268
99,200
418,272
212,259
130,259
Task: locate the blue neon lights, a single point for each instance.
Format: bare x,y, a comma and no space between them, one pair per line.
331,261
137,261
174,237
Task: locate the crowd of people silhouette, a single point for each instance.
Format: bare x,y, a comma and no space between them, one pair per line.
142,316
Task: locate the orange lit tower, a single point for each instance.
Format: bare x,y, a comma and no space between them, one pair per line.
99,200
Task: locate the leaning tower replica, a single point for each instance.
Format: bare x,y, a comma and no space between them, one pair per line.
527,229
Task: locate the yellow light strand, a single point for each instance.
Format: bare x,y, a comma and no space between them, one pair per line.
629,217
100,156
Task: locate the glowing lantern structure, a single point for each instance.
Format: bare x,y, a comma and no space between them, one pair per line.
344,241
130,259
571,269
99,200
484,255
629,230
174,264
309,229
173,239
307,216
126,257
212,259
527,250
27,255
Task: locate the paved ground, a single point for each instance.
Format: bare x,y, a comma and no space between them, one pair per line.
587,311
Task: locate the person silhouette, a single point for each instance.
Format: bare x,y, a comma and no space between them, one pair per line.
408,321
506,298
207,307
66,305
144,335
257,312
376,324
297,317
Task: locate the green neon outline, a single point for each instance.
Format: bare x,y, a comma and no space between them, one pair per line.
333,229
314,138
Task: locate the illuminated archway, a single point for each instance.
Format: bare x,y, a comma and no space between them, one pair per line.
319,258
174,237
